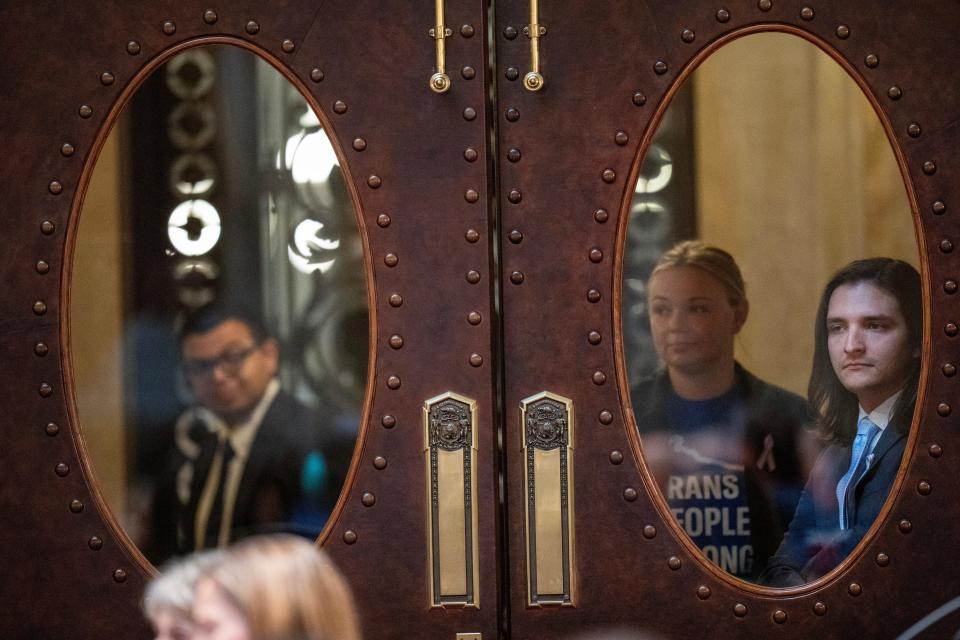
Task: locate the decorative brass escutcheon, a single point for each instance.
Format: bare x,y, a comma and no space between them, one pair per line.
547,423
469,636
533,80
440,81
450,455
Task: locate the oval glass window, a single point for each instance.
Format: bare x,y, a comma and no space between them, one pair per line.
218,310
772,310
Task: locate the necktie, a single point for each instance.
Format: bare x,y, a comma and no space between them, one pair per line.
846,488
209,532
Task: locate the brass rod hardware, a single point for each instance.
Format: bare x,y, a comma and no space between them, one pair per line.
440,81
533,81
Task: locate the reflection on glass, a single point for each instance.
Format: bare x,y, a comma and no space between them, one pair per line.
774,158
219,318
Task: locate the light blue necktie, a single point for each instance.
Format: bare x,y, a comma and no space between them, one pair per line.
866,431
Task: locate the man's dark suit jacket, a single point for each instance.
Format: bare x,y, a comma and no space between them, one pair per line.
814,543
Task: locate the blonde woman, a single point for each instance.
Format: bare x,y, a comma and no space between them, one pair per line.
274,588
168,602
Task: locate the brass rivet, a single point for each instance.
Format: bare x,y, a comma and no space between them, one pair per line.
469,114
660,67
843,31
601,215
946,246
806,13
779,616
596,255
383,220
609,175
106,78
943,409
340,107
252,27
76,506
39,307
349,536
316,74
512,73
393,382
649,532
120,575
913,130
133,47
395,300
169,27
391,259
703,592
629,494
368,499
935,451
739,610
396,341
605,417
939,207
472,235
52,429
47,227
515,196
374,182
599,377
41,349
819,608
905,526
210,16
466,31
594,337
473,277
43,267
470,154
288,46
379,463
95,543
950,286
765,5
949,370
950,329
929,167
621,138
468,73
510,33
593,295
471,195
66,150
474,318
55,187
516,237
45,390
895,92
85,111
883,559
854,589
924,488
512,115
871,61
388,422
687,35
62,470
516,277
476,360
616,457
514,155
639,99
723,15
674,563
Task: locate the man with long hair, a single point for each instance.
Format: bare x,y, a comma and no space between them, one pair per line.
863,386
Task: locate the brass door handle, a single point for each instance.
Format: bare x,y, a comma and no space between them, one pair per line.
440,81
533,81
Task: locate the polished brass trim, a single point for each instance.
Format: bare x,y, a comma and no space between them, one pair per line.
469,636
440,81
533,80
546,420
450,457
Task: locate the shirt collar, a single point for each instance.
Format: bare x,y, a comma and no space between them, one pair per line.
882,414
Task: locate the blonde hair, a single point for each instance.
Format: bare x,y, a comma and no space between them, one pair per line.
713,260
286,588
172,590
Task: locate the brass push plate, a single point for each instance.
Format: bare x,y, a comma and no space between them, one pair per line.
469,636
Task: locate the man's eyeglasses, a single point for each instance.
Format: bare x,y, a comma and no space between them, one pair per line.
230,363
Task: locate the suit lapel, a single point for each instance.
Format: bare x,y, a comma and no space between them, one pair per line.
890,436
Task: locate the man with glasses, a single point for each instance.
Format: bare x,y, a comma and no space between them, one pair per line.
246,460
